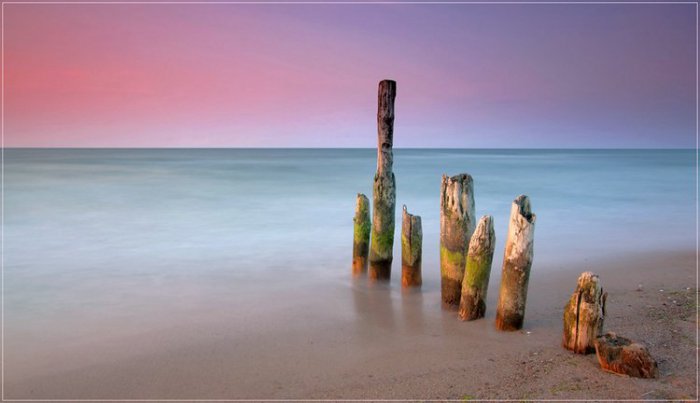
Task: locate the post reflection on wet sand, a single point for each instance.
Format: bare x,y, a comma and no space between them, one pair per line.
385,307
374,307
412,310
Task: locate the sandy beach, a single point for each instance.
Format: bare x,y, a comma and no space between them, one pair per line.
393,345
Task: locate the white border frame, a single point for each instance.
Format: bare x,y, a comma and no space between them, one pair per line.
340,2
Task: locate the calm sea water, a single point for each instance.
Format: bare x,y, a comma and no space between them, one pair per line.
115,240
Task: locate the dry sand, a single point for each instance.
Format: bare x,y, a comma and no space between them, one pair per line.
354,341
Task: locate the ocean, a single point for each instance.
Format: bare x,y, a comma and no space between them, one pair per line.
104,243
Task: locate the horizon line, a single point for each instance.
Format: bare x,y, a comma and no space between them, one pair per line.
346,148
351,2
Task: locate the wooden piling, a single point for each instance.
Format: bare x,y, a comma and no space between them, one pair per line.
411,250
584,315
382,242
456,228
517,261
360,244
478,270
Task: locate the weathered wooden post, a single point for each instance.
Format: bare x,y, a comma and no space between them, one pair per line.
456,228
381,250
360,243
411,250
478,270
517,261
584,315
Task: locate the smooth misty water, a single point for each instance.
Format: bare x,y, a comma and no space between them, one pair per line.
120,241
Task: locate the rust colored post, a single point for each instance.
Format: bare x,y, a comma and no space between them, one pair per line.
360,243
411,250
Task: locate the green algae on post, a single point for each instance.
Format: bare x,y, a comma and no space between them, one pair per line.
384,194
360,244
456,228
517,261
411,250
478,270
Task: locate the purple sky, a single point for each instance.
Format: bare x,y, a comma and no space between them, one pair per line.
261,75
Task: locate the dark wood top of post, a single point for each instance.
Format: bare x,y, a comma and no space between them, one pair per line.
385,125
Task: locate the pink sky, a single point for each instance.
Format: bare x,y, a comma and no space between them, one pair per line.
237,75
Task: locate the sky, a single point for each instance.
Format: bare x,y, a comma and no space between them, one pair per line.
295,75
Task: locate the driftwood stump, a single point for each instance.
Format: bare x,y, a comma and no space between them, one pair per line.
360,243
584,315
621,355
411,250
456,228
517,261
478,270
381,250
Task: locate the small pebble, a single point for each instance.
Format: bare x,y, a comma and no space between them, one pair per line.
661,290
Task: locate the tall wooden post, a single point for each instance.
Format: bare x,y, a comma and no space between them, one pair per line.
411,250
360,243
476,275
456,228
382,242
517,261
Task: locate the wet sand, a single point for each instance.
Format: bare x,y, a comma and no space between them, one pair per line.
337,339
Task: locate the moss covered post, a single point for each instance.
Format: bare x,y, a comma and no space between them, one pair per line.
478,270
360,243
517,261
456,228
382,243
411,250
